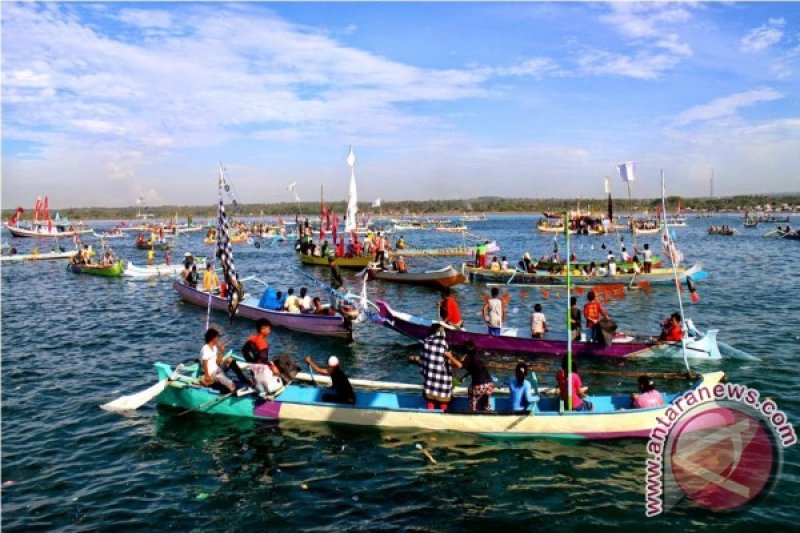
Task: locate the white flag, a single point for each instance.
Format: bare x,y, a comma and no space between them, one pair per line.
626,171
291,186
607,184
376,203
351,157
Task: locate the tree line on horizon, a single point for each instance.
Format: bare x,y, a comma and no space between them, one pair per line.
399,208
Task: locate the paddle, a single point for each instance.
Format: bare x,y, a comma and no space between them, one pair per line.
313,380
134,401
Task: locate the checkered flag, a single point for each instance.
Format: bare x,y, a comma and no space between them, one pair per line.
225,253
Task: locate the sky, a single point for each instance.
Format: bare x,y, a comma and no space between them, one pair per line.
105,102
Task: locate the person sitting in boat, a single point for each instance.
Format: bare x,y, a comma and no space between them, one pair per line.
593,311
435,366
520,391
671,330
625,255
192,278
495,266
88,254
399,265
325,248
504,264
612,265
482,386
256,347
358,249
305,301
636,267
538,322
319,309
400,244
215,364
647,396
341,390
108,258
292,302
210,278
579,392
448,309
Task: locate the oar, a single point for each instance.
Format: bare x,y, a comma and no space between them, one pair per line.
208,404
134,401
311,373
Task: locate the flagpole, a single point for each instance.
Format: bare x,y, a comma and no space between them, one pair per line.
569,317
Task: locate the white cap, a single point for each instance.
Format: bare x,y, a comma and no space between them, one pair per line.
333,361
187,254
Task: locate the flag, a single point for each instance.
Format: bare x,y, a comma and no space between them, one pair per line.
225,254
46,209
627,170
293,188
376,203
607,181
334,226
36,207
352,195
15,217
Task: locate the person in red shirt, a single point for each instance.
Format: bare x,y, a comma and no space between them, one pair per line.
579,392
671,329
256,348
448,309
593,311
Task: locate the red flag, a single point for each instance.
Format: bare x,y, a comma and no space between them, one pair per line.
323,221
36,207
15,217
46,209
334,226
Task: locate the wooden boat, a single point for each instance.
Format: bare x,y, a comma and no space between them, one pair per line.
612,417
518,340
658,276
441,278
237,238
720,231
323,325
353,263
452,229
460,251
47,256
625,265
142,244
109,271
45,230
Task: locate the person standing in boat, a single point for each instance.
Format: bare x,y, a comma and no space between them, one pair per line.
341,389
380,250
579,392
210,279
494,313
448,309
481,386
435,366
593,311
647,265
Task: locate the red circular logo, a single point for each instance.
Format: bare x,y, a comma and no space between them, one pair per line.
722,458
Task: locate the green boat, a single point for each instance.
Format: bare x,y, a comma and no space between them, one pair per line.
110,271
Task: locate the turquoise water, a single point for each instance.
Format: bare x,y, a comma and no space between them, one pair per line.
72,342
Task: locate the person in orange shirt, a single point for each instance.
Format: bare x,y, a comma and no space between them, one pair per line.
448,309
593,311
671,329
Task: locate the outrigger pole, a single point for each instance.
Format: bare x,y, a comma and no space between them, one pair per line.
569,318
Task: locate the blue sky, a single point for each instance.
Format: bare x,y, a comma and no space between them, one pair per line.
103,103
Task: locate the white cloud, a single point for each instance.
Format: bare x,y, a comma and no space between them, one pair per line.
760,39
645,19
643,65
725,106
534,67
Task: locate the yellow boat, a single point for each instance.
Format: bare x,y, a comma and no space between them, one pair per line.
355,263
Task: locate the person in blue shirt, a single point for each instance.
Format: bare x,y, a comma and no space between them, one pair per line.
519,388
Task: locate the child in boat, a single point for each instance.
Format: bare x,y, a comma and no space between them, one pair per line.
519,389
593,311
578,390
494,312
482,386
435,365
647,396
671,330
538,322
215,364
341,389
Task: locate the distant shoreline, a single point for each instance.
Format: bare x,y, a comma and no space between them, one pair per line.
450,208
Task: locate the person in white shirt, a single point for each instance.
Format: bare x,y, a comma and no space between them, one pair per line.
306,304
612,265
647,266
215,364
538,322
625,255
292,303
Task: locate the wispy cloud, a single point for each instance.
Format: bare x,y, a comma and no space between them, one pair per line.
726,106
762,38
643,65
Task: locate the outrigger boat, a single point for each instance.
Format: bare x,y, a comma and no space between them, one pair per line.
42,226
459,251
602,263
440,278
47,256
155,271
323,325
713,230
160,245
353,263
109,271
518,340
612,417
658,276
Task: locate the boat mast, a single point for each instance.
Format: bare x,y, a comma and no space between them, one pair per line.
569,320
672,251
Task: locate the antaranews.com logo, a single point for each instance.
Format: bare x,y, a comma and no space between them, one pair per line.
720,447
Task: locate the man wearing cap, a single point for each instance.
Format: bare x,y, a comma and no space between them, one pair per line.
341,389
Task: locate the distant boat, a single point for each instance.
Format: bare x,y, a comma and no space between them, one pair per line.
42,226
